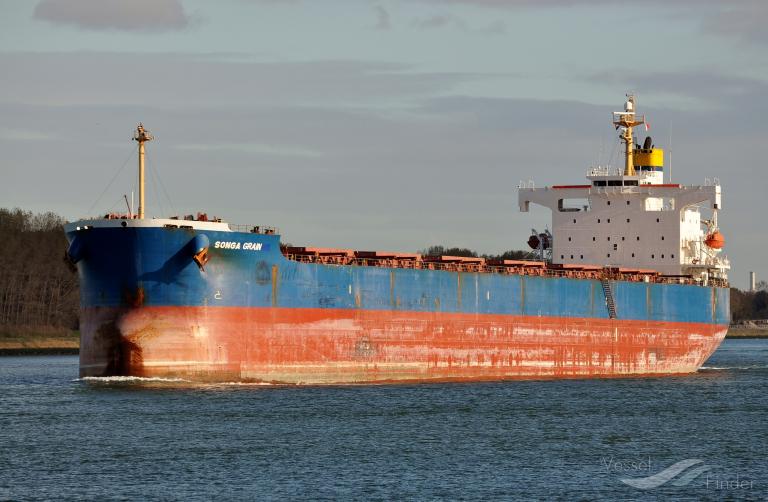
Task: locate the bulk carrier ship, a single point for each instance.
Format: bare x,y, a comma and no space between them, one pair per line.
630,281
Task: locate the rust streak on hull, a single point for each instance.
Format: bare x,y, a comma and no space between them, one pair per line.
323,346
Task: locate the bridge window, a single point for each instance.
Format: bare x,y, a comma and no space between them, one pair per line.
660,204
599,183
572,205
614,183
630,183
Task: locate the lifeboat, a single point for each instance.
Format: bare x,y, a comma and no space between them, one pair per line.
715,240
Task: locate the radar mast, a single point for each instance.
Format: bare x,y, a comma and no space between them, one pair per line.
626,120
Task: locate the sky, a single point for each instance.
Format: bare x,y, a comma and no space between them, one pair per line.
390,125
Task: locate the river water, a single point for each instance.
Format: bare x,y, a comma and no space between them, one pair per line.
703,436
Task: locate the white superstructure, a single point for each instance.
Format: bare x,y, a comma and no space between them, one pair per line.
632,219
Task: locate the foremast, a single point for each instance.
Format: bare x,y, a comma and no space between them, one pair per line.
141,136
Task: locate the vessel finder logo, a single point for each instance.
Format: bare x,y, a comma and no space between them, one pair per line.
677,474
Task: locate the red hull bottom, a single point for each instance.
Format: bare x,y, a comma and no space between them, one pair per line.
324,346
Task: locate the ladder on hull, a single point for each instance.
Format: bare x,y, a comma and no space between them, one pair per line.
609,302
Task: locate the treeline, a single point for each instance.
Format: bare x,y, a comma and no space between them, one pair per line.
442,250
37,290
750,305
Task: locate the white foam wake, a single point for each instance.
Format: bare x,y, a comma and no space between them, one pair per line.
136,379
720,368
124,379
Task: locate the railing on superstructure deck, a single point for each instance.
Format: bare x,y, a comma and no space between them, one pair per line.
604,171
509,267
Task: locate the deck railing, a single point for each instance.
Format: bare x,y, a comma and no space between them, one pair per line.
254,229
539,271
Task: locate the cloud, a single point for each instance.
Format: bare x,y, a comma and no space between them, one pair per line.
745,19
739,19
133,15
701,89
95,78
383,21
440,21
523,3
432,22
